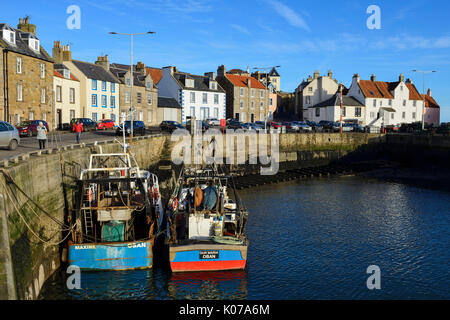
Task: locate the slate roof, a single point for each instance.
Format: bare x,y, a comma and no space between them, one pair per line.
335,101
274,73
96,72
58,67
166,102
21,46
200,82
119,71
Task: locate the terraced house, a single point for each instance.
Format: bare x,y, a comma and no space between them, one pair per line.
67,96
27,75
99,88
145,92
199,96
387,103
247,98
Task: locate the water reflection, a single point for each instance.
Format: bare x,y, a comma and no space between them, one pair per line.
209,285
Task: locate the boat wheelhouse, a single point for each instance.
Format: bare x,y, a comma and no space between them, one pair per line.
118,215
206,223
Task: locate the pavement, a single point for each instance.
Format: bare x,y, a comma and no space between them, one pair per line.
57,139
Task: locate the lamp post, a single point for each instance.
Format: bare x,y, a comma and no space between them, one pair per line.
423,107
267,85
341,105
132,80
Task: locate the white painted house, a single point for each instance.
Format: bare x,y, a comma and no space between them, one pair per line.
387,103
66,94
313,91
199,96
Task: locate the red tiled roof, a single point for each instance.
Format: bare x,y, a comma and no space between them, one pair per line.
57,74
242,81
413,93
381,89
430,102
155,73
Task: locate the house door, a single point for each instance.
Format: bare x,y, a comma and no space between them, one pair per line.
237,116
59,118
252,118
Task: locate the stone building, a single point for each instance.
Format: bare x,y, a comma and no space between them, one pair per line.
145,92
271,79
247,99
312,91
27,75
432,110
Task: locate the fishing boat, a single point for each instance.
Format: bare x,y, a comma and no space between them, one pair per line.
206,223
118,215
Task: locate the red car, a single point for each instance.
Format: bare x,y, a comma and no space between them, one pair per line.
105,124
275,125
29,127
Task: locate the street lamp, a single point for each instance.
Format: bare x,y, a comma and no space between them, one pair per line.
423,107
132,80
267,85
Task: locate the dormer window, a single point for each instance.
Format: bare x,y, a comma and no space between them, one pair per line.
212,85
66,73
190,83
128,81
8,34
149,85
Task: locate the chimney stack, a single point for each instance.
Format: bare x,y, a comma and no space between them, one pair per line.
210,75
103,62
25,26
140,68
221,71
330,74
356,76
316,74
373,78
401,78
429,92
61,54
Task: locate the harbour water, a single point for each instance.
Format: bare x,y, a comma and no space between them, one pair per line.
311,240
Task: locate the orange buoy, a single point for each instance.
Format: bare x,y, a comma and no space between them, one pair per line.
198,195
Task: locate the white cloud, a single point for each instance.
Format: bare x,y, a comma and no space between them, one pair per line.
240,28
292,17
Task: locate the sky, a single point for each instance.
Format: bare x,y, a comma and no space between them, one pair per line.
300,36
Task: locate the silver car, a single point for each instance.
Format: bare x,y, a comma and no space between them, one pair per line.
9,136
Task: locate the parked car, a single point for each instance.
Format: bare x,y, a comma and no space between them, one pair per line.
105,124
274,124
170,126
262,124
392,128
314,126
88,124
28,128
251,126
346,127
205,126
9,136
327,125
138,128
356,127
301,126
234,124
213,122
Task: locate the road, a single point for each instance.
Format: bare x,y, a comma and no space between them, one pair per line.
58,139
